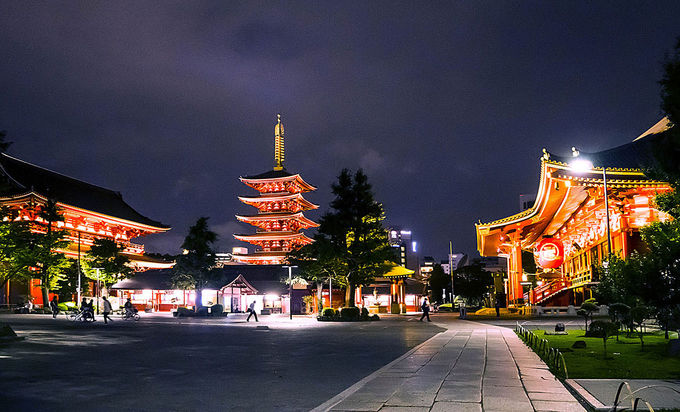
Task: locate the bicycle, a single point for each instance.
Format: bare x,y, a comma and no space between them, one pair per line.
127,315
81,316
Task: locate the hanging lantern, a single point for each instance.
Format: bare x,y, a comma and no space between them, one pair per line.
550,253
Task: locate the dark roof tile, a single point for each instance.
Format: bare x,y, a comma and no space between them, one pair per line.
26,177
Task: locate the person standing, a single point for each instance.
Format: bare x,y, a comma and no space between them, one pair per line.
54,305
107,309
426,310
498,308
251,309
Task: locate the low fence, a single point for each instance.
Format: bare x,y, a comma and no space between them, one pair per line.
551,356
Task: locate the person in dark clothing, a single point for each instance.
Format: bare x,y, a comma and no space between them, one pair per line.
87,309
251,309
54,305
426,310
498,308
107,309
129,309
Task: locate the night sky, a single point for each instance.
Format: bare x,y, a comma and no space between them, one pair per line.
445,105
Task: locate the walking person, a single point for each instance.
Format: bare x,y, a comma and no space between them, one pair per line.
54,305
107,309
251,309
426,310
497,305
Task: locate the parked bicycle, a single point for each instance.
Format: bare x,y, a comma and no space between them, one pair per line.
83,316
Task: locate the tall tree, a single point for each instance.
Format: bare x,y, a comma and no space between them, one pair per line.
353,229
15,253
67,286
47,239
106,255
472,282
653,278
438,281
195,267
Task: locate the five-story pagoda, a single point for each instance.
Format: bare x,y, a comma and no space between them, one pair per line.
280,206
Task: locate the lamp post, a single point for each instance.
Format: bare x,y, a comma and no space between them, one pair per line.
98,288
451,270
290,290
582,165
78,265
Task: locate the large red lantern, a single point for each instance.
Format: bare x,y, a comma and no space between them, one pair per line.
550,253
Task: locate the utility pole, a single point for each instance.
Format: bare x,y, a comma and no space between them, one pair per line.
98,288
78,265
451,270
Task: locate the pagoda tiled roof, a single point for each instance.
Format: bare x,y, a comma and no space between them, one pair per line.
24,177
270,174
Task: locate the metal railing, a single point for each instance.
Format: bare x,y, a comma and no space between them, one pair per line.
551,356
632,395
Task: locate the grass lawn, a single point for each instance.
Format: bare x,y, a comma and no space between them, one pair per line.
624,360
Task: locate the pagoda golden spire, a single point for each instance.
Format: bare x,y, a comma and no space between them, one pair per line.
279,150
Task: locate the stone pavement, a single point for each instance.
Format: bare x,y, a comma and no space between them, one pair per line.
470,367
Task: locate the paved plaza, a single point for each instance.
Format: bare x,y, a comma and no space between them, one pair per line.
163,363
166,364
470,367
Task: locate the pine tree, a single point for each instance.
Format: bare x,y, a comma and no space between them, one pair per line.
195,267
357,242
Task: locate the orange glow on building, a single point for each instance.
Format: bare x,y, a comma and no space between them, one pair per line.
90,212
570,206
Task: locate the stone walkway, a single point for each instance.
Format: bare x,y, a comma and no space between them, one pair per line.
470,367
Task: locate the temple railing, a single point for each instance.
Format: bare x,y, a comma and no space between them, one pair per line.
546,290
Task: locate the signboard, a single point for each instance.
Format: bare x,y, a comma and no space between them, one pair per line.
550,253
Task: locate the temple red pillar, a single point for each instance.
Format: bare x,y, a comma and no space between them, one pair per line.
402,296
515,291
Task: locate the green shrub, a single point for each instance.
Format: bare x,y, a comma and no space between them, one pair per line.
182,312
364,314
587,309
216,309
375,317
604,330
328,312
202,311
349,313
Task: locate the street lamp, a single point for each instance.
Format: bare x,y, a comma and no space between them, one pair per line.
98,288
290,290
583,165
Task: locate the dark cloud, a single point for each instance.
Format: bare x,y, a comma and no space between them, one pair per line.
445,105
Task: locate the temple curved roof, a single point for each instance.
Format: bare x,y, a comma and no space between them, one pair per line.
562,190
24,177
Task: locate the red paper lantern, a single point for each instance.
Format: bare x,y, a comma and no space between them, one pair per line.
550,253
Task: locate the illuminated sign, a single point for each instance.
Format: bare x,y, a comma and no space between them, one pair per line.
550,253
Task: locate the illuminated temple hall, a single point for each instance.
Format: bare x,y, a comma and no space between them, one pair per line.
567,228
280,206
90,212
